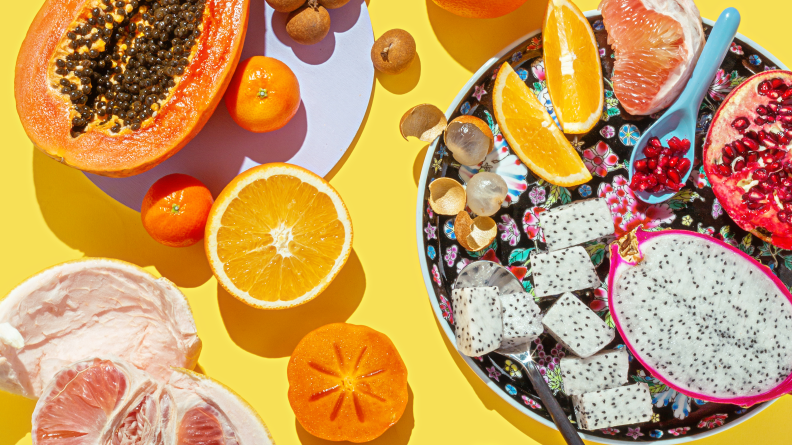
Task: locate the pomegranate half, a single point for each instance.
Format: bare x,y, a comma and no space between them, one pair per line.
747,160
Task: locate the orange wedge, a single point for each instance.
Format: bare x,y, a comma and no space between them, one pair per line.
572,66
532,133
277,236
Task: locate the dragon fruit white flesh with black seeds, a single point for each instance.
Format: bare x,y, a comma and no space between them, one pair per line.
576,223
479,324
702,316
576,327
488,274
522,319
562,271
625,405
604,370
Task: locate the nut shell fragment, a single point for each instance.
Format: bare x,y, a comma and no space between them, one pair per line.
425,122
474,234
469,139
446,196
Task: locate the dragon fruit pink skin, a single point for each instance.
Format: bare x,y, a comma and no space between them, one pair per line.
781,303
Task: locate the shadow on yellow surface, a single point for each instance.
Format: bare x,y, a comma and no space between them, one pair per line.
492,401
16,412
275,333
401,83
418,164
86,219
398,434
471,42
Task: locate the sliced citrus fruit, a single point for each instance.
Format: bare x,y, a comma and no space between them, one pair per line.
347,382
277,236
572,67
532,133
657,44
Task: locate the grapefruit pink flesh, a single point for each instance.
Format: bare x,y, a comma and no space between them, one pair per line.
201,426
657,43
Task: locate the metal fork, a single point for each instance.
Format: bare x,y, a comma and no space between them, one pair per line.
524,358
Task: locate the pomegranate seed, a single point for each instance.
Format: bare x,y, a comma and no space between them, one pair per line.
641,166
774,166
779,154
739,165
760,121
768,135
785,119
724,170
672,162
754,195
786,182
739,124
778,83
766,186
754,205
785,110
662,161
770,119
760,174
773,94
651,181
727,159
762,110
750,143
655,142
661,177
684,165
651,151
788,168
773,107
765,88
783,216
752,157
788,207
652,164
728,151
787,94
666,151
769,143
774,178
739,147
673,175
767,158
784,139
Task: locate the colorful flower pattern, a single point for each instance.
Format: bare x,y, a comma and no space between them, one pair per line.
629,135
600,159
509,231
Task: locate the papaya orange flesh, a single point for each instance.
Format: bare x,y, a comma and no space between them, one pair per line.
115,87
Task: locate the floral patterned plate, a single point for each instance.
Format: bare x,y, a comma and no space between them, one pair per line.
605,151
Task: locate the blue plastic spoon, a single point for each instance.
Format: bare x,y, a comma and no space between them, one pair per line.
680,119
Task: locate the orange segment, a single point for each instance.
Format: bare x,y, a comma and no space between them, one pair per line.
277,236
347,382
532,133
572,65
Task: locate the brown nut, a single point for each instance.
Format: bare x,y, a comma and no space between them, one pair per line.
285,5
393,52
309,24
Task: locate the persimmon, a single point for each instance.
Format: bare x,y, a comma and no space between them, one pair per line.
264,94
347,382
175,210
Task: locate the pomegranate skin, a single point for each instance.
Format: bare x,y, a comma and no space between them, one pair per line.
753,204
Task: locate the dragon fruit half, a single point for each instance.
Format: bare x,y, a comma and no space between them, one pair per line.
563,271
703,317
479,324
605,370
624,405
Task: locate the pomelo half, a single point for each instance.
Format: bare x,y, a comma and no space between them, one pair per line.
93,307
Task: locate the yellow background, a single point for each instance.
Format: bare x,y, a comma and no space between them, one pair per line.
52,213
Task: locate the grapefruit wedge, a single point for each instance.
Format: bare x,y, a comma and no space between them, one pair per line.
106,401
657,44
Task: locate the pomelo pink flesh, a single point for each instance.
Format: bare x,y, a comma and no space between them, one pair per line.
617,263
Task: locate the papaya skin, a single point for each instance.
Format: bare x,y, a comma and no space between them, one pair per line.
44,112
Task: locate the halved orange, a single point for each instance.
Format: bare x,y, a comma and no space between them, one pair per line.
277,236
347,382
532,133
572,67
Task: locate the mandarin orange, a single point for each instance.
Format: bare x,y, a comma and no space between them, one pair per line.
175,210
347,382
263,95
480,9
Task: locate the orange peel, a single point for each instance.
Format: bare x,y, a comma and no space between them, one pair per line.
425,122
447,196
474,234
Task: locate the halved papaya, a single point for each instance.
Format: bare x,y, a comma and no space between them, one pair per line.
114,87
